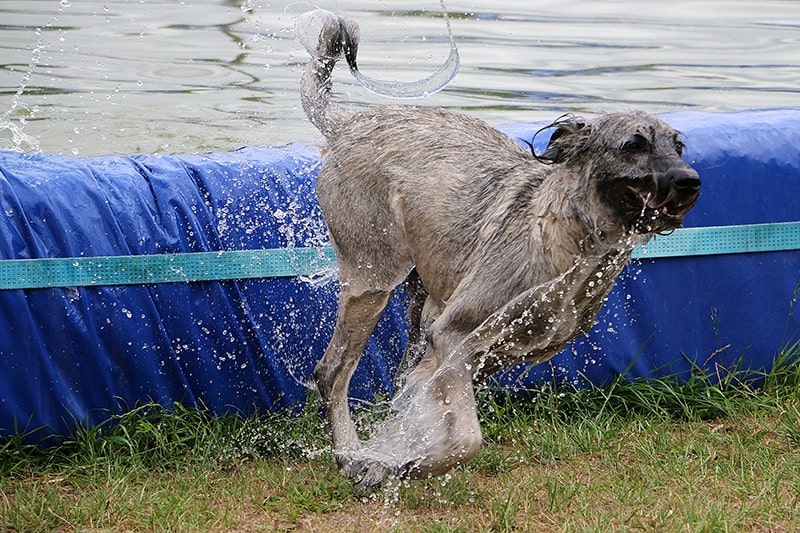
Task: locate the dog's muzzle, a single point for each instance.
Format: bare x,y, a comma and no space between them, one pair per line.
664,201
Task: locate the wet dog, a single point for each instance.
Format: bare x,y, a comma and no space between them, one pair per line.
508,255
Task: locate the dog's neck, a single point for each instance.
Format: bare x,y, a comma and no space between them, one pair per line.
559,216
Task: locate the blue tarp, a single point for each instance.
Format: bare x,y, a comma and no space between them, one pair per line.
78,354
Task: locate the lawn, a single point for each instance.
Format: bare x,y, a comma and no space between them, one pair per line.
643,456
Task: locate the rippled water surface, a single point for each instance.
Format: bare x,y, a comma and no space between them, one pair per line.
94,77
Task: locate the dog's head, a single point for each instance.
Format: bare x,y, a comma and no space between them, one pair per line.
634,166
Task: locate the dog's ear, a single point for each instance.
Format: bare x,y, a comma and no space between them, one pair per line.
553,149
567,140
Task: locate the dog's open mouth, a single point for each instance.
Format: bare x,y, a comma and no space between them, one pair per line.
651,212
670,207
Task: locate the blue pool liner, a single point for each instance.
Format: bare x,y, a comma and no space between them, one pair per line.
78,354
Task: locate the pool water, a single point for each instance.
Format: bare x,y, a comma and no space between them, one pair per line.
90,77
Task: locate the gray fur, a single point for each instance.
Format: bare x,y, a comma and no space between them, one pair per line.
508,257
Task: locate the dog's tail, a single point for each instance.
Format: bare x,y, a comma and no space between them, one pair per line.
327,37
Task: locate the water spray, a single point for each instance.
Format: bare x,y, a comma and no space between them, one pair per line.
309,25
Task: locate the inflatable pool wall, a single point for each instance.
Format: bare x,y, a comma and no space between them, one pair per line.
206,279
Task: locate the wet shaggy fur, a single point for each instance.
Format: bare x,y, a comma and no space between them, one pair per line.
508,256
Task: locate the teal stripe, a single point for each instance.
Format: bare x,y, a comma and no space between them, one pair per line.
291,262
163,268
716,240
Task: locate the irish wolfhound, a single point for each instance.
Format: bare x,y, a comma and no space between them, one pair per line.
508,255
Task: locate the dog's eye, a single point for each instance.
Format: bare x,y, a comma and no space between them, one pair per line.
637,144
679,146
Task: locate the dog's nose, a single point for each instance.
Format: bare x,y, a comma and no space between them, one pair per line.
683,180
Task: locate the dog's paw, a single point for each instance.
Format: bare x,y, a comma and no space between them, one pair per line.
343,459
368,474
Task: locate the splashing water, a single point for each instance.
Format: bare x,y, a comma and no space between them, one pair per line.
247,6
495,336
309,25
420,88
21,141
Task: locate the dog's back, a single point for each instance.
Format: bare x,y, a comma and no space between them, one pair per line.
404,170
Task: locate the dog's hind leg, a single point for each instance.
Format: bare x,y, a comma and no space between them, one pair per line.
357,316
415,346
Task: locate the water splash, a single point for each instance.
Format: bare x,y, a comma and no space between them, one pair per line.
20,141
423,87
309,26
325,274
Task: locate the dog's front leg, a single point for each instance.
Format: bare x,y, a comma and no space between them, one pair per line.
441,416
539,322
435,427
356,318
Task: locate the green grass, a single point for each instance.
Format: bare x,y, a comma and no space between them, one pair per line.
712,454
